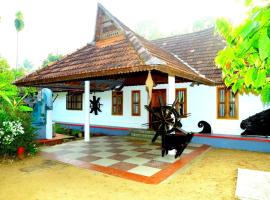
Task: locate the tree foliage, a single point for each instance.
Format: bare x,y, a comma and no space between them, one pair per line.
245,62
19,23
27,65
51,58
10,96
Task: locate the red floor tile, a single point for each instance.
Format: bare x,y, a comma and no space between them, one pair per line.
89,158
119,157
123,166
117,150
157,164
141,149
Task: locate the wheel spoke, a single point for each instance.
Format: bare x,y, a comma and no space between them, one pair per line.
175,101
154,122
152,112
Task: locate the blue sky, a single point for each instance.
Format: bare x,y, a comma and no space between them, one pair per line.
58,26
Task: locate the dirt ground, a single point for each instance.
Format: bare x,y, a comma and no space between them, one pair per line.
212,176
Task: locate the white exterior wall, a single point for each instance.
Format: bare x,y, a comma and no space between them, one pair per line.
201,103
105,118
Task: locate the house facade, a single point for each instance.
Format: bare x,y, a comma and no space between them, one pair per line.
201,103
118,63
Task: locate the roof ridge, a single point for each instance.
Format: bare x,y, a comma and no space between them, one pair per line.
153,60
192,68
144,54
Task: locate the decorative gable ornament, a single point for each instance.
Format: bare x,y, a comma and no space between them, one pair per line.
149,84
107,26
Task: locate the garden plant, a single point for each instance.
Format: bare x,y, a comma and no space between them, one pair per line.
16,131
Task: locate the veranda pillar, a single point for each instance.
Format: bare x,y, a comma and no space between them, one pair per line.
86,111
171,89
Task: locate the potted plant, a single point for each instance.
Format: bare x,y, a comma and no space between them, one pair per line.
20,152
77,133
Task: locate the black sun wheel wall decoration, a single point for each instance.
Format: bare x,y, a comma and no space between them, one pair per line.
95,105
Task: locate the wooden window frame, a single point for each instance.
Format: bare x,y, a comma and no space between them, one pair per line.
117,94
227,103
132,102
184,90
72,105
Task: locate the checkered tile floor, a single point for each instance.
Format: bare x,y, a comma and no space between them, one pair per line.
122,156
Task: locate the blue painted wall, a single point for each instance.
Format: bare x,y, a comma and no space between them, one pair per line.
233,144
248,145
103,130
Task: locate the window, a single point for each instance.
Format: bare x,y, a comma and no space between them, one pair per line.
74,101
117,103
136,102
181,107
227,104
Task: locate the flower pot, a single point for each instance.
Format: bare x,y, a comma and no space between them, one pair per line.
20,152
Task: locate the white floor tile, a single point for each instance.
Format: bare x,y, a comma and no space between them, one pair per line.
127,147
167,158
144,170
74,156
131,153
155,152
105,162
103,154
136,160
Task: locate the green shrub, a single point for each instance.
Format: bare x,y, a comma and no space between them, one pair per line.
14,113
60,129
75,132
11,118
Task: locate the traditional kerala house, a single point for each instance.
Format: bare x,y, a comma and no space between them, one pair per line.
117,66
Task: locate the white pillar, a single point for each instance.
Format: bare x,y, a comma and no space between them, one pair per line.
49,129
170,99
86,111
171,89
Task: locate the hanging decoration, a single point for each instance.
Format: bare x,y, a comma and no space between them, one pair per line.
95,105
149,83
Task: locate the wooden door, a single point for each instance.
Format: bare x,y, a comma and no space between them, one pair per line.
157,96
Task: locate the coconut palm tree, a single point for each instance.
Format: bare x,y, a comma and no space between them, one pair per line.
19,25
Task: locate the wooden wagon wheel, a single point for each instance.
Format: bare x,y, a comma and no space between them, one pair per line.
167,119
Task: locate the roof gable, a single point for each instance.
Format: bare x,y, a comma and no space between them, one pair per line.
107,25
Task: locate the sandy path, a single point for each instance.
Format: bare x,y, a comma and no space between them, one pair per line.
212,176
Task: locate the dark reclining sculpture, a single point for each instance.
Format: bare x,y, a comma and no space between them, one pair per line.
258,124
178,141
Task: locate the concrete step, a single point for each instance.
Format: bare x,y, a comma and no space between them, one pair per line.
143,134
142,131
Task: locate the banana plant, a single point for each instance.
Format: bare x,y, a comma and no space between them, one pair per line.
10,96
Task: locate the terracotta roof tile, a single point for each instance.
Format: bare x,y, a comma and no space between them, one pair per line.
116,50
198,49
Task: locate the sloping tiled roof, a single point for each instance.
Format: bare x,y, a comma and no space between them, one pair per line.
197,49
115,50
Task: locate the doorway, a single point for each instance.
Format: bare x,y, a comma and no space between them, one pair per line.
157,96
